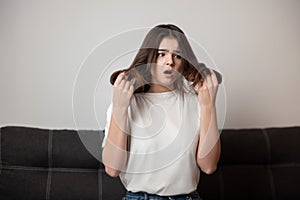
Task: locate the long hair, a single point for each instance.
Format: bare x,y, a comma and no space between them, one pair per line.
147,56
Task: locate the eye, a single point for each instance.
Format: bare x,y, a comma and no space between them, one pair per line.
177,56
161,54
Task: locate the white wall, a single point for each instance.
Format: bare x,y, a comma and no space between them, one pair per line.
46,44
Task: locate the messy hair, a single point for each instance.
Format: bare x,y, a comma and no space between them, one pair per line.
140,68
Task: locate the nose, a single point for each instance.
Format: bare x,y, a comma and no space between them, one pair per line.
169,60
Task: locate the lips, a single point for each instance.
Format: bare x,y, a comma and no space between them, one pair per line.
168,72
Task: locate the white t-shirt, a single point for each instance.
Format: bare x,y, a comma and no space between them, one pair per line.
164,129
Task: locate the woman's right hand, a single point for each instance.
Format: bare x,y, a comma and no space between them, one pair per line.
122,92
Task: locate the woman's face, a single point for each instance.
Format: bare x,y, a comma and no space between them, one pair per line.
168,63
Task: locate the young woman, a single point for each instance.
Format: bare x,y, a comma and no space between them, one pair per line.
161,126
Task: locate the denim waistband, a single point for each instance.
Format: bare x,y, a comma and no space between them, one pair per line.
146,196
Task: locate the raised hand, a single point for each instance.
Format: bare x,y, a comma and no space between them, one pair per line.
207,90
122,92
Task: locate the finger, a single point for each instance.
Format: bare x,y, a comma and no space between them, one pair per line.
203,85
200,84
127,86
119,78
203,73
208,79
214,78
122,84
131,89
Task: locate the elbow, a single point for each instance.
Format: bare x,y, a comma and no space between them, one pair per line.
109,170
112,172
114,160
205,167
209,170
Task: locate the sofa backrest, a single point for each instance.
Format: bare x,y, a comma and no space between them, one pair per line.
54,164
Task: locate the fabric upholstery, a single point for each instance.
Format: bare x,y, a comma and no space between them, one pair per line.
38,163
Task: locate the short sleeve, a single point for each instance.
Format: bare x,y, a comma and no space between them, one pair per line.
108,118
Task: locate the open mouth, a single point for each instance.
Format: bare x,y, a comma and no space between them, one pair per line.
168,72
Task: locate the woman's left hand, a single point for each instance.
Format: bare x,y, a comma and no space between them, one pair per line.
207,90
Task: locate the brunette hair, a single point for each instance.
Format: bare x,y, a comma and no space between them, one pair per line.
147,55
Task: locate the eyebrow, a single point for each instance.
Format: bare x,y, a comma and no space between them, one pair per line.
176,51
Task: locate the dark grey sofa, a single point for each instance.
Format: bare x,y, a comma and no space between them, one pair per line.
40,163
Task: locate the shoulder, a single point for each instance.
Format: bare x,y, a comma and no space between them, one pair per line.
191,101
190,95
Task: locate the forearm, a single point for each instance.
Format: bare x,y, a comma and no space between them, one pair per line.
115,149
209,148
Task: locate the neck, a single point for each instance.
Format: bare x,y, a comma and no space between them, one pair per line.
157,88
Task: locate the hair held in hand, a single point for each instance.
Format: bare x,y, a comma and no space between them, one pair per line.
140,68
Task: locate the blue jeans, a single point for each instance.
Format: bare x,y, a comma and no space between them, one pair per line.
145,196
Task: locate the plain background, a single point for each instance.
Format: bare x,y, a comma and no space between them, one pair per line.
44,44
